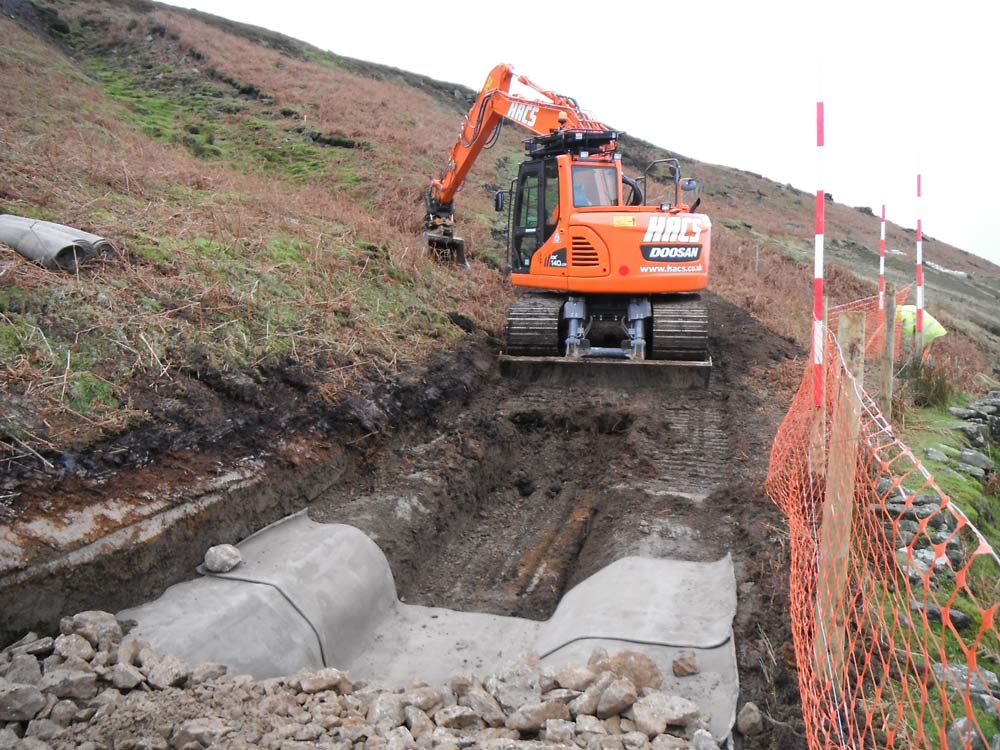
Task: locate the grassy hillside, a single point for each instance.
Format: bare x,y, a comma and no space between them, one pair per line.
266,203
265,198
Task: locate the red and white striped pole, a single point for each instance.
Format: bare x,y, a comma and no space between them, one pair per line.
920,274
881,263
818,262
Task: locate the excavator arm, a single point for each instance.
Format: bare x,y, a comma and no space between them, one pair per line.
481,128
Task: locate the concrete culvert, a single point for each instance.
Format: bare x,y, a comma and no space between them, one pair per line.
53,246
313,596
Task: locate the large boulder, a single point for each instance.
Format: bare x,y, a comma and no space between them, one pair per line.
532,717
749,720
222,558
67,683
485,705
205,731
654,712
616,698
101,629
19,702
963,735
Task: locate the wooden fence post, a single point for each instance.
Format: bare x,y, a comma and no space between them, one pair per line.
817,437
838,502
887,359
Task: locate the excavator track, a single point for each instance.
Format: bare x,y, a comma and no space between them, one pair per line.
533,326
677,346
680,328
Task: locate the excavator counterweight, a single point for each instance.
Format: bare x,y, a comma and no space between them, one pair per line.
603,274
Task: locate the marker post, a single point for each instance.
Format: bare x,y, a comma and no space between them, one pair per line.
881,265
818,339
918,338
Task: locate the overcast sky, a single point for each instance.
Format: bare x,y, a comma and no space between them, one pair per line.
907,85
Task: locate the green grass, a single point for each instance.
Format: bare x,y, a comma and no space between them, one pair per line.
289,251
216,273
19,208
86,390
157,116
931,640
153,252
211,123
10,342
932,426
323,57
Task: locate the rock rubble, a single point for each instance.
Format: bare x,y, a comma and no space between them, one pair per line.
981,426
94,688
903,515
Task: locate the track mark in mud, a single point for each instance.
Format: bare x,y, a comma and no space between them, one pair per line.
692,457
600,423
545,562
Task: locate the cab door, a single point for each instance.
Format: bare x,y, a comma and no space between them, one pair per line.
526,232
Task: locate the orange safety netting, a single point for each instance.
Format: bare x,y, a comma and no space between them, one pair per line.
894,592
875,328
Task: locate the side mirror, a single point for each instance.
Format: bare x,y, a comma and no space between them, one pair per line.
499,199
689,184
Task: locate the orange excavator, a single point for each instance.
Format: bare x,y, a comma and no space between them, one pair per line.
602,274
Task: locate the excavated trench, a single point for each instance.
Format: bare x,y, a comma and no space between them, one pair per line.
502,508
502,499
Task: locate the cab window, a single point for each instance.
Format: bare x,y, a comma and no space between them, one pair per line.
595,186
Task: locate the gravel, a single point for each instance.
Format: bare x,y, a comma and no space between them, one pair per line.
118,694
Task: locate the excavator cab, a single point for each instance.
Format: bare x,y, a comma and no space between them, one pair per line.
562,178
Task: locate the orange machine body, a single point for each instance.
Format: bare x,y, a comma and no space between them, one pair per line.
605,249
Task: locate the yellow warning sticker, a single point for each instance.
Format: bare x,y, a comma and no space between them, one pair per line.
624,221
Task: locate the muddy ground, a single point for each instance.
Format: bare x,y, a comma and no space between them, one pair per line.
492,494
503,500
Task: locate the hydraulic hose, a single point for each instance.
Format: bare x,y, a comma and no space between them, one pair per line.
636,198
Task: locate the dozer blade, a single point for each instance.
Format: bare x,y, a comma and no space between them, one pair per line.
445,249
616,373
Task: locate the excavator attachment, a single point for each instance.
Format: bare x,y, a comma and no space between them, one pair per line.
445,248
439,233
661,340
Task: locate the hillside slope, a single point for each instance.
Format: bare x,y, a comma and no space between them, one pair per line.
268,241
266,197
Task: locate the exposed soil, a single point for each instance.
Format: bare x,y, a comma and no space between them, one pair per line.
497,495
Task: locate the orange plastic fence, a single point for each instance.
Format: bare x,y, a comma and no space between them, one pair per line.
894,592
875,328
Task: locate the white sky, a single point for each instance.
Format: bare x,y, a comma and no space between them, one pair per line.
907,86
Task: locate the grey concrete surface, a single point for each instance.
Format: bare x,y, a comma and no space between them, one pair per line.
309,594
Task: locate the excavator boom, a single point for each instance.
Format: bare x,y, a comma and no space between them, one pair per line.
493,106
